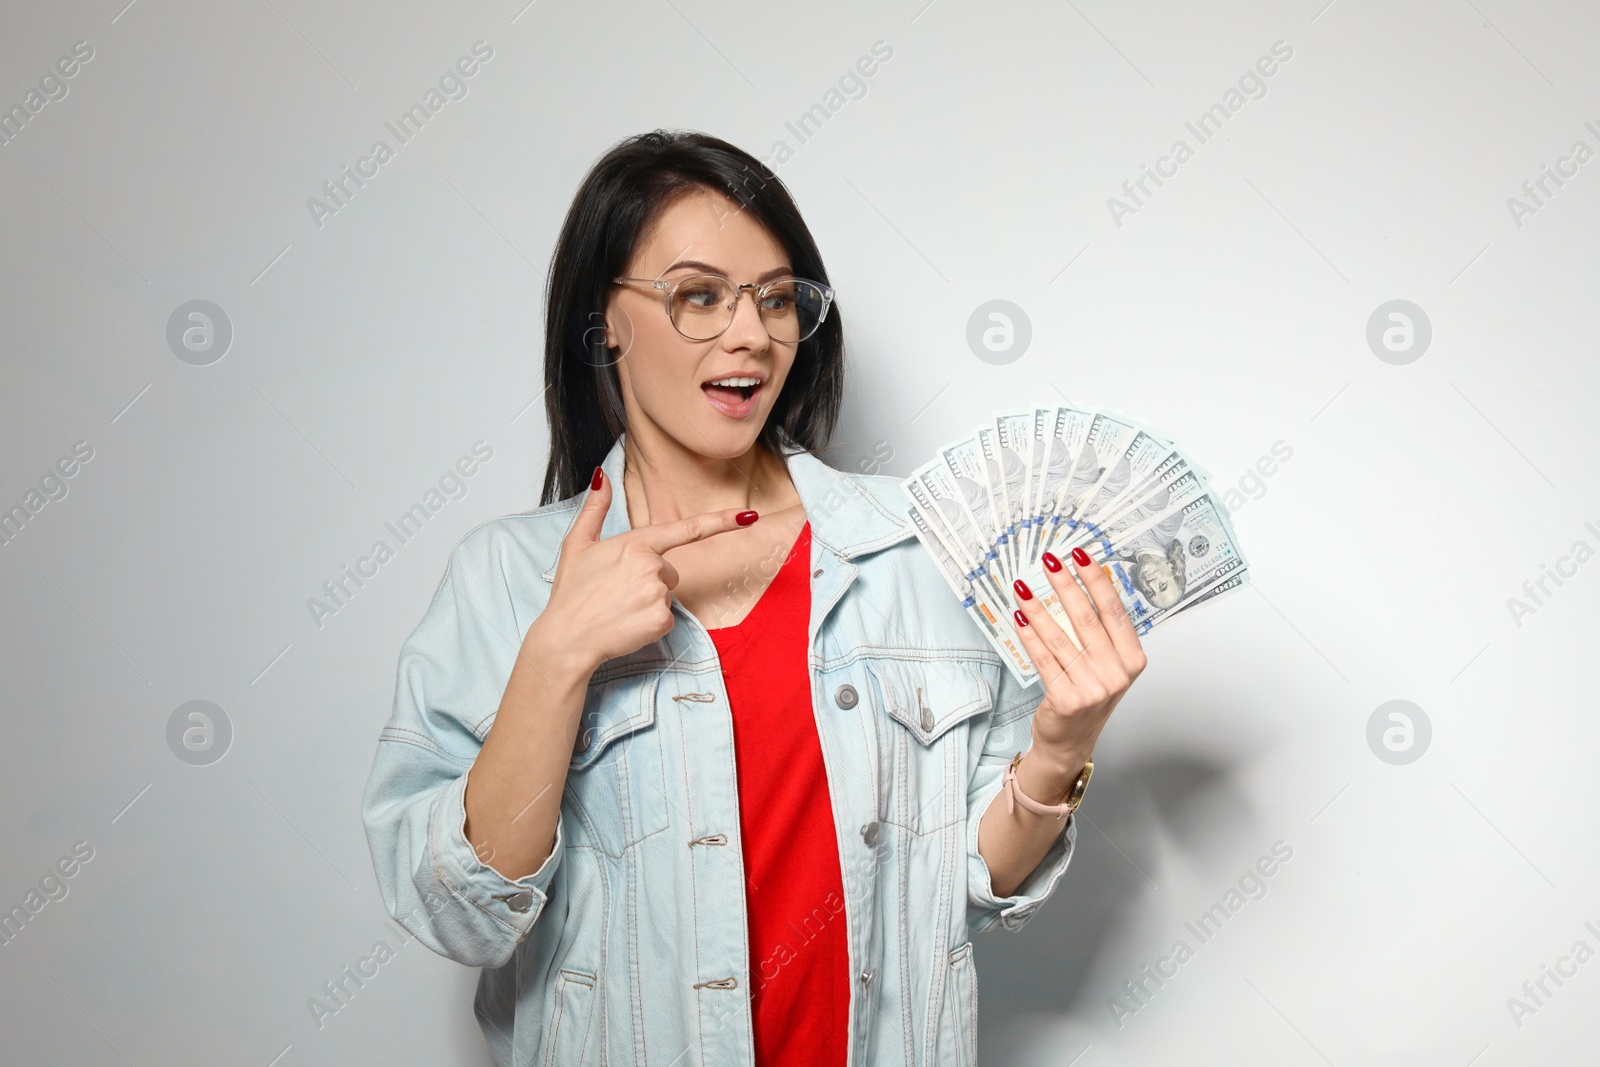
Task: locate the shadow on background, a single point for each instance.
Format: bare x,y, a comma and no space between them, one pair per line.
1179,797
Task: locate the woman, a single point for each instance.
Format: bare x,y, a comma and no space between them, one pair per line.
693,787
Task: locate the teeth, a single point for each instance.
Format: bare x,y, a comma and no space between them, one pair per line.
736,383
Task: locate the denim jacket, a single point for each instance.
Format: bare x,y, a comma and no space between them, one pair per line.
629,944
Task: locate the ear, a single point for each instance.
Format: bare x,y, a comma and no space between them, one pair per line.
619,328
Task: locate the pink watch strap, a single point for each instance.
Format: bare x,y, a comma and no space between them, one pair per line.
1015,794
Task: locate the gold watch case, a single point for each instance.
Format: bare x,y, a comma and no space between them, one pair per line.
1081,786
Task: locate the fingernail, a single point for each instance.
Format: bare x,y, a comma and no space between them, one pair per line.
598,479
1050,562
745,518
1081,557
1022,589
1022,620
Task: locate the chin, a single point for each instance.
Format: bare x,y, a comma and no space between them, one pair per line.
725,442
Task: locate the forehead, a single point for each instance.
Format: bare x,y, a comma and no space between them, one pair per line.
708,226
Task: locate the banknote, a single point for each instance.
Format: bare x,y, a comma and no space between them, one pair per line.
1058,477
1172,556
1013,436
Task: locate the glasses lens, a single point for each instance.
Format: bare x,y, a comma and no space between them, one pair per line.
810,304
791,308
702,306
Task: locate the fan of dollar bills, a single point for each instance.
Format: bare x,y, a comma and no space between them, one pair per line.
1056,477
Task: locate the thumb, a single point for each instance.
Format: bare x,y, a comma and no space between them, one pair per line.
593,513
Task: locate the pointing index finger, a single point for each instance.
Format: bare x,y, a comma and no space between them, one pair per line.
665,536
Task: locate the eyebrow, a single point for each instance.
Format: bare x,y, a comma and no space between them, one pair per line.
776,272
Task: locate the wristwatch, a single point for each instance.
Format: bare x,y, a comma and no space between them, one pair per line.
1014,792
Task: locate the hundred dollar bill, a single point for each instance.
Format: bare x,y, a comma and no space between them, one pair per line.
1143,456
1037,471
1160,560
999,632
934,493
1000,610
1109,437
1162,565
993,478
1054,456
1057,477
1069,427
1177,487
1219,588
1232,576
964,465
1013,438
1131,478
1087,466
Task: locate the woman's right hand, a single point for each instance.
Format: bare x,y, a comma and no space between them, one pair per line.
614,595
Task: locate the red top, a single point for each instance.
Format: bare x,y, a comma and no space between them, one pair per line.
799,959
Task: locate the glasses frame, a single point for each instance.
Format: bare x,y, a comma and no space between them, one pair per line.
668,288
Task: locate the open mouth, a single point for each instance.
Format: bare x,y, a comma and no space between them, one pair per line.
733,394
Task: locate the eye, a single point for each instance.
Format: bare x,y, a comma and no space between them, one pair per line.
701,293
780,298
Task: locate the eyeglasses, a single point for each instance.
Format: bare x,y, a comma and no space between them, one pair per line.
701,306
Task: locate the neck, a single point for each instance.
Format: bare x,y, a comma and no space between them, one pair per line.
664,481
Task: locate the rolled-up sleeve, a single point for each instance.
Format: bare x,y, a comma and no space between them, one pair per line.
1009,731
452,672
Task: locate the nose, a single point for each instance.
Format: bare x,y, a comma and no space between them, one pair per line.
747,330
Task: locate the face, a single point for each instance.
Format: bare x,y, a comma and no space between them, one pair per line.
1159,577
668,380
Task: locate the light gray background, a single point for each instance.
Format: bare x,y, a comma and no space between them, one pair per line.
1230,310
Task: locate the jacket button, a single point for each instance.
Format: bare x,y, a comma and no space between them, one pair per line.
868,976
519,902
583,741
845,696
927,719
869,833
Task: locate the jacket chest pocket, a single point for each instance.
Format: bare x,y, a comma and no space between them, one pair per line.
616,780
922,754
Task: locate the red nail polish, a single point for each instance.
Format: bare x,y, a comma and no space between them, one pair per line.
1081,557
598,479
1050,562
1022,589
1022,620
745,518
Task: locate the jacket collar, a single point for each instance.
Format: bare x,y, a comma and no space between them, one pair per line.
846,518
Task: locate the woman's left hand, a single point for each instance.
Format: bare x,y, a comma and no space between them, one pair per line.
1081,688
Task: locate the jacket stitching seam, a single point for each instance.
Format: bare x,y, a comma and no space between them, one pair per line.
694,881
404,736
461,894
911,655
946,894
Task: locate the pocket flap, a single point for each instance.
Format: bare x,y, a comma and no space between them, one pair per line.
929,697
613,708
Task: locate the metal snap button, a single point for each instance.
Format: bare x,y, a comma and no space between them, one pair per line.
845,696
927,719
868,976
869,833
583,741
817,573
519,902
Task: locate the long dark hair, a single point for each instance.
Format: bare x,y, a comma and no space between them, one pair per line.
620,197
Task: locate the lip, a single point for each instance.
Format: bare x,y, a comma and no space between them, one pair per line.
728,402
